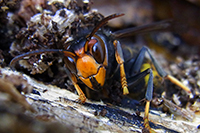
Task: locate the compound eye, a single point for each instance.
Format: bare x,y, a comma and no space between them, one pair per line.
98,49
70,64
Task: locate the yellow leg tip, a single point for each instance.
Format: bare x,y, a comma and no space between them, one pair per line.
178,83
147,128
82,98
125,91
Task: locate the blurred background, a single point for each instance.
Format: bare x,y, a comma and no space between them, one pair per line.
184,13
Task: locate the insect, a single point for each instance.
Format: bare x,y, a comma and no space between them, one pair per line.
94,58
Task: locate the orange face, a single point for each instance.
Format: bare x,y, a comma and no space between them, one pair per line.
89,63
89,71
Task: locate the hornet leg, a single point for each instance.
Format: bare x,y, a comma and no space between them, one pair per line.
72,77
120,61
135,68
148,96
138,63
